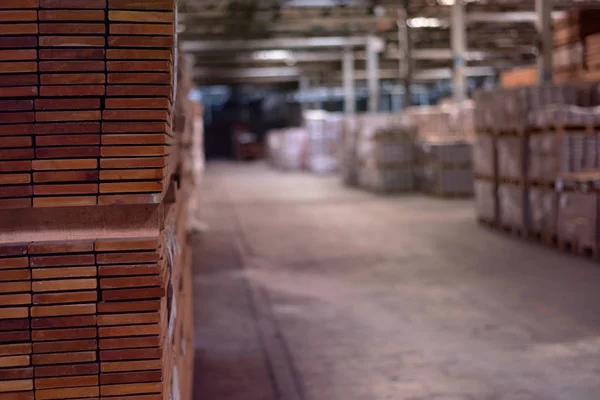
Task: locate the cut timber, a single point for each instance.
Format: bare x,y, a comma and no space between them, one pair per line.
65,176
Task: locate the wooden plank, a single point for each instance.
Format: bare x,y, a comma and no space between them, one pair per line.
15,166
8,204
17,105
72,66
87,4
71,41
130,377
18,324
62,310
14,262
16,373
61,128
15,287
19,29
137,66
18,67
67,393
63,322
134,282
72,91
131,306
14,179
54,247
64,201
138,54
67,104
132,115
142,29
131,389
62,260
15,141
133,294
63,285
66,370
72,29
129,343
68,140
8,4
15,191
72,79
15,275
131,187
47,335
167,5
13,249
24,81
15,349
63,358
15,300
128,78
18,15
71,15
121,199
134,366
14,337
13,312
16,154
56,116
130,257
130,175
68,152
139,90
66,382
126,244
58,165
65,346
134,127
17,117
16,386
135,138
72,54
65,189
65,176
18,55
133,151
141,16
20,91
133,354
160,103
65,298
18,42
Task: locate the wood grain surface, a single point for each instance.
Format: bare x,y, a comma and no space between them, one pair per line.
138,90
72,54
131,389
141,16
129,343
71,41
138,66
72,91
8,204
15,141
15,299
131,306
131,282
63,285
68,152
15,337
133,294
128,319
15,287
135,127
62,260
71,15
63,358
130,175
67,4
138,54
14,361
62,334
21,4
15,275
16,154
65,298
67,393
16,385
135,163
18,15
67,104
161,103
14,262
131,354
63,322
15,166
127,257
62,128
15,191
66,382
66,370
19,29
64,201
58,165
142,29
72,66
14,179
123,366
131,187
73,79
20,91
66,272
65,346
18,55
15,349
13,312
73,246
68,140
129,377
133,151
62,310
65,176
16,373
72,29
18,324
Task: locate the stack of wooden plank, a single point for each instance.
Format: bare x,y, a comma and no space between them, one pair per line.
136,121
86,92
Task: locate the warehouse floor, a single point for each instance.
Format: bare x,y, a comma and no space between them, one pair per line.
305,289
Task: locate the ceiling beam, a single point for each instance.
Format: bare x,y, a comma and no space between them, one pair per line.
199,46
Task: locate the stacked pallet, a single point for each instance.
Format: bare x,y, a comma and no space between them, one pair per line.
136,119
86,92
525,176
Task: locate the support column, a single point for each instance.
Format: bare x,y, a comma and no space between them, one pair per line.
349,92
543,24
373,74
304,87
405,48
459,50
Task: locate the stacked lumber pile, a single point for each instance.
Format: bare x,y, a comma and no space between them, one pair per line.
86,92
535,166
573,46
444,167
95,302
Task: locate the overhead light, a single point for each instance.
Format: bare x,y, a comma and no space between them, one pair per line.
423,22
272,55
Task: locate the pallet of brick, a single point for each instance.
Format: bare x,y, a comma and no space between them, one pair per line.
577,221
18,87
543,205
132,317
446,167
16,372
63,319
136,132
68,110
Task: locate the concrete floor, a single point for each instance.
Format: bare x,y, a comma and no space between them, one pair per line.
306,290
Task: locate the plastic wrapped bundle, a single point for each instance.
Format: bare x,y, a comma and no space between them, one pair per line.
324,131
348,157
513,205
483,156
486,200
386,180
447,152
578,219
293,151
543,203
511,157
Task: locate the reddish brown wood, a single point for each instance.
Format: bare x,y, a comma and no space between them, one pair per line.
62,260
72,79
16,105
131,389
13,249
71,41
71,15
65,176
63,358
65,346
66,370
63,285
18,67
131,187
131,175
72,54
63,334
133,151
63,322
16,373
156,78
15,287
67,104
130,343
72,29
62,310
8,204
75,246
13,312
72,66
72,91
68,152
128,257
56,165
141,16
87,4
133,282
126,244
15,166
138,90
18,42
14,337
68,393
136,138
128,319
141,4
65,189
20,91
68,140
15,191
19,324
132,306
14,179
15,141
17,117
134,127
22,80
138,54
137,66
15,349
18,55
20,29
64,201
146,162
142,29
15,299
65,298
16,154
134,366
161,103
8,4
66,382
133,294
60,128
129,377
56,116
14,262
15,275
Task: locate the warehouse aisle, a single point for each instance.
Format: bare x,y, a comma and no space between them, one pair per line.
307,290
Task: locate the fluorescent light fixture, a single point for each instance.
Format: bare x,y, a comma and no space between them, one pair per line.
423,22
273,55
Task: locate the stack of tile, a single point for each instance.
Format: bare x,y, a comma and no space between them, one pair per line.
137,117
18,88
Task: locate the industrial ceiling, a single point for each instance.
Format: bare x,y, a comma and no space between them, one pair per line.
245,41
